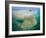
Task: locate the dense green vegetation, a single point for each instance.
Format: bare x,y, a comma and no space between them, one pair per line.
17,23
